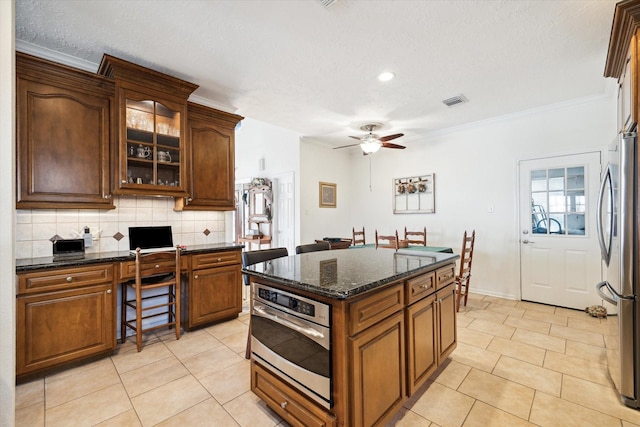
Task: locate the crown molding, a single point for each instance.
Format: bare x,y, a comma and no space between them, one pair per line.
55,56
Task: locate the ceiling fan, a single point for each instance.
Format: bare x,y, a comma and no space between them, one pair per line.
370,143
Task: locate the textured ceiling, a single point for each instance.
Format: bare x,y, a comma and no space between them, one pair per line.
312,69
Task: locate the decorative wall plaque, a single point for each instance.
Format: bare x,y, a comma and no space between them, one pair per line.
414,194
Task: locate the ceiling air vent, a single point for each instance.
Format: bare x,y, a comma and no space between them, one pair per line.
455,100
327,3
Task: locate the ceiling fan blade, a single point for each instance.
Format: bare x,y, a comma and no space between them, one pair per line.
392,145
355,137
390,137
345,146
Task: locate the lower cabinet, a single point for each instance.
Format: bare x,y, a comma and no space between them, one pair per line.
422,342
431,335
378,371
214,289
63,316
446,325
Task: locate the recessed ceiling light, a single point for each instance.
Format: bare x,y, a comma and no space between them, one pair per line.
386,76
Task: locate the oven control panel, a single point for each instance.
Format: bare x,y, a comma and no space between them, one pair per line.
292,303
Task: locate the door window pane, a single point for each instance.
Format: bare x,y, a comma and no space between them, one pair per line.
539,180
558,201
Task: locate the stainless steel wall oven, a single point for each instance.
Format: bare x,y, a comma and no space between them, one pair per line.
291,334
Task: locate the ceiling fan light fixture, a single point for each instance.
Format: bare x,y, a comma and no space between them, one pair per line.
386,76
370,146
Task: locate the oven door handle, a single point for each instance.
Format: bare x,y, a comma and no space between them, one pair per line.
291,323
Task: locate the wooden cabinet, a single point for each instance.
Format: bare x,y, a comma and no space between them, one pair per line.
127,130
211,166
378,371
422,342
446,322
151,117
214,289
63,125
63,315
431,326
622,61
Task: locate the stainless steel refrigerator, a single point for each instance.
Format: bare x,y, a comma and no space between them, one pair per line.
617,218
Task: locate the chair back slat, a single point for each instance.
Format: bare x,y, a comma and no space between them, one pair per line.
358,237
156,264
416,237
464,276
390,242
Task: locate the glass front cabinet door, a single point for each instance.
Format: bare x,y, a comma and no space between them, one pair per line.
153,147
151,117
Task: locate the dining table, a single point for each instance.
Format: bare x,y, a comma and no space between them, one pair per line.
443,249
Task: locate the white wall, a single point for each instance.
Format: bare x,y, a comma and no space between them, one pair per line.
321,164
280,149
7,217
475,166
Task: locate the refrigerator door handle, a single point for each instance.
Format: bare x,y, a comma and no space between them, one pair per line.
610,296
604,250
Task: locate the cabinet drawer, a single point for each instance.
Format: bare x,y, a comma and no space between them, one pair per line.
421,286
127,269
64,278
445,276
287,402
370,310
215,259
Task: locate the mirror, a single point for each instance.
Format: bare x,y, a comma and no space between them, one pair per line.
257,204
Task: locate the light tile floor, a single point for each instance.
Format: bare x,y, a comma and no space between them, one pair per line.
517,364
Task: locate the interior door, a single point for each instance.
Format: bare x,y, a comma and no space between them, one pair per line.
559,253
285,215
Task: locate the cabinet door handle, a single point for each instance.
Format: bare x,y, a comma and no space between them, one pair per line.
107,196
195,277
283,405
69,279
219,259
157,265
124,181
109,291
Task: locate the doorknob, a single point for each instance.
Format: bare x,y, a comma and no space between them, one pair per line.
525,241
525,231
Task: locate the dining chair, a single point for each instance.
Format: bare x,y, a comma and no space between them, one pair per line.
153,271
464,276
313,247
254,257
387,241
416,237
358,237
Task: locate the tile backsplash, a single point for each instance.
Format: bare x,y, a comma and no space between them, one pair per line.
35,228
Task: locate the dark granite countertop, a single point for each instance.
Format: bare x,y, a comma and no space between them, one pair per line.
32,264
344,273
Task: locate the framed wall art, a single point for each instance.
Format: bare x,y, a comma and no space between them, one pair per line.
328,195
414,194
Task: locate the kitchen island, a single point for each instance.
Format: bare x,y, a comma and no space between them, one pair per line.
392,322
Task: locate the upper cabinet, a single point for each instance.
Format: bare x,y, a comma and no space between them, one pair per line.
149,157
211,167
127,130
63,136
622,61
